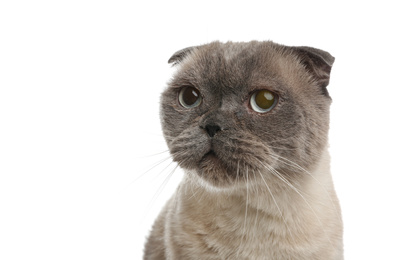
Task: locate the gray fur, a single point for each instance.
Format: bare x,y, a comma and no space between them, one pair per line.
266,191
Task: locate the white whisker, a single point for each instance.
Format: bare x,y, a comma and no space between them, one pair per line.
154,154
237,172
245,214
276,204
151,168
297,166
159,190
282,178
258,203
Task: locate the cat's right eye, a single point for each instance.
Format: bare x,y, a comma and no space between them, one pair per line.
189,97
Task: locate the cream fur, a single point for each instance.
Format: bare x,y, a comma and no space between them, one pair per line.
203,223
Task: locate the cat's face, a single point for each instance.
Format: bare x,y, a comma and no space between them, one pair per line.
241,110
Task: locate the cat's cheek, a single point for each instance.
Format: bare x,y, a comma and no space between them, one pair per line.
189,147
241,115
176,118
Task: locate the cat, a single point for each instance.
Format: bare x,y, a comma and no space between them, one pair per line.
248,122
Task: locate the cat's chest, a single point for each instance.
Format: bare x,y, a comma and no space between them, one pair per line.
234,232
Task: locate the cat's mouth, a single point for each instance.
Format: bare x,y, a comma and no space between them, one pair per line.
214,169
210,155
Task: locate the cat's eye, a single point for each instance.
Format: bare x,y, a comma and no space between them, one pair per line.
189,97
263,101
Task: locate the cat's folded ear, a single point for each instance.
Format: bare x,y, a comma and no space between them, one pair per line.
318,63
178,56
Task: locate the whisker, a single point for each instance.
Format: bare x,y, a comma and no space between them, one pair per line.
247,195
151,168
282,178
194,193
258,202
178,189
160,189
155,154
282,148
297,166
290,163
245,214
276,204
162,171
272,137
237,172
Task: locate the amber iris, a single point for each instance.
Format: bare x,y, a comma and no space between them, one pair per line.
263,101
189,97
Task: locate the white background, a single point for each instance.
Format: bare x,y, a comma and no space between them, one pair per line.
80,83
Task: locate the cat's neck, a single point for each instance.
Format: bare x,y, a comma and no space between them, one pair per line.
247,215
272,196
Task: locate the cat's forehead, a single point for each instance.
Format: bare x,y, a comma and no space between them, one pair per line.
233,66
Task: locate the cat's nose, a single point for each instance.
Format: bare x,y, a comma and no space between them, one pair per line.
212,129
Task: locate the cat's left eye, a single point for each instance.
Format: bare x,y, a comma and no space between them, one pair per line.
189,97
263,101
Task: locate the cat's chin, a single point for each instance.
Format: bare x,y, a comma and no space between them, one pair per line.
215,171
211,157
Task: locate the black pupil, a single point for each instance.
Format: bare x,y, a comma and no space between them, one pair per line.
190,96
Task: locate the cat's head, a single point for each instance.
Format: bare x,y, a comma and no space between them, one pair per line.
241,110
